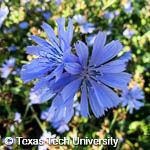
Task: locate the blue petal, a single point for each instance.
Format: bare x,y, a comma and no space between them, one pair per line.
64,80
69,112
124,102
40,62
59,71
109,52
65,37
116,80
73,68
50,113
33,50
39,84
61,26
51,35
46,96
70,90
113,67
97,109
137,93
126,56
61,129
58,101
102,96
98,47
39,40
130,108
68,57
61,32
40,51
49,32
29,75
111,94
107,97
59,114
82,52
69,32
138,104
32,69
84,102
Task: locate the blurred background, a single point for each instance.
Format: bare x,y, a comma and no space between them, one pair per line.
125,20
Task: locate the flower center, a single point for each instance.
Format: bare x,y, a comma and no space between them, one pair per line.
130,97
10,68
90,72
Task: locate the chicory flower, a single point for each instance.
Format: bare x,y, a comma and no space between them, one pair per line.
52,55
131,97
3,14
94,77
7,67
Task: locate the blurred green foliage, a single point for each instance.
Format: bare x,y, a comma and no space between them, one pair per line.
133,130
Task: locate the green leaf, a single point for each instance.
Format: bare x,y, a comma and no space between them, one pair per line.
147,35
107,3
134,126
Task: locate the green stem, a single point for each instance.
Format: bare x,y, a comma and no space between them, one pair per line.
122,128
110,127
92,126
113,121
26,110
147,105
37,119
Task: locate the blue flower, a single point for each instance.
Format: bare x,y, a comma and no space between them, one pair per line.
12,48
117,13
58,2
60,113
109,15
128,33
51,55
58,117
18,117
45,136
12,128
38,10
16,72
128,7
34,96
87,28
80,19
108,32
126,56
131,97
45,114
47,15
110,24
7,67
40,93
3,14
94,77
60,126
9,30
90,39
23,25
26,1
